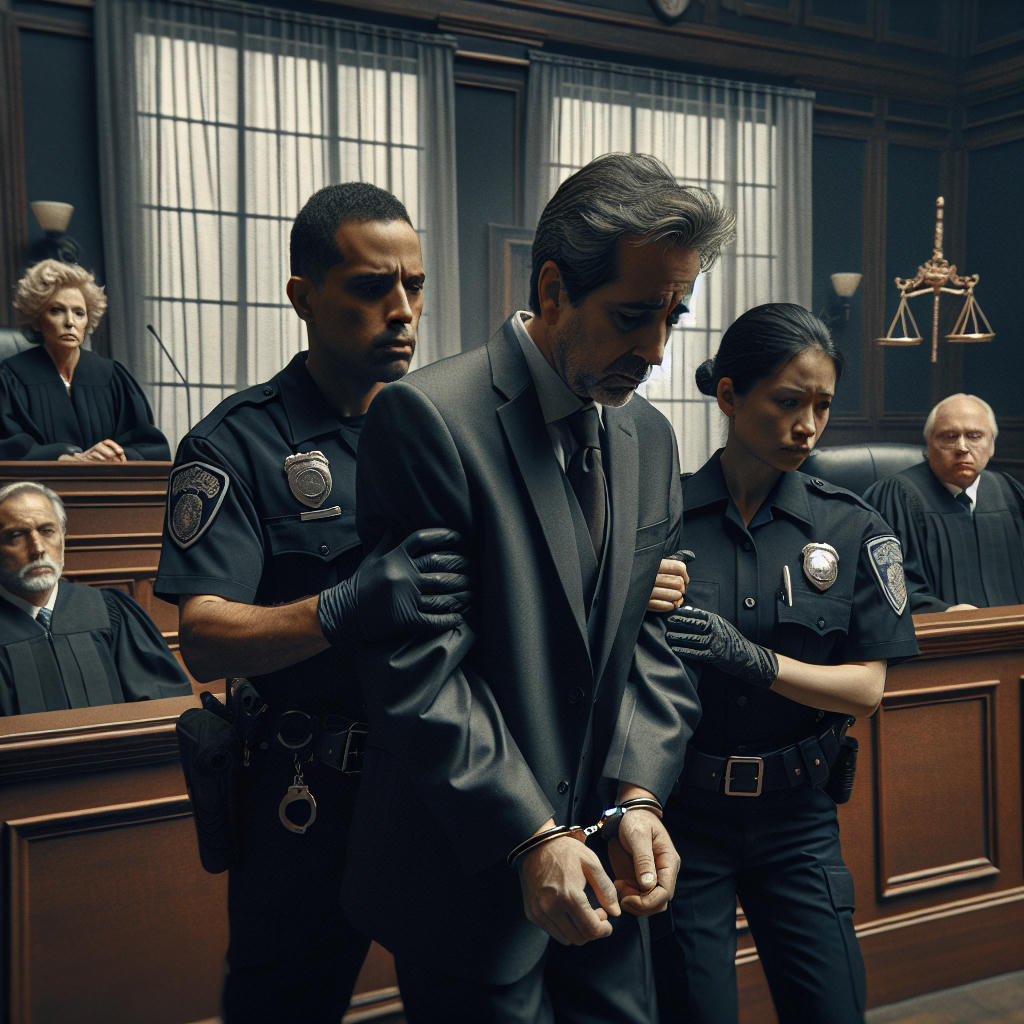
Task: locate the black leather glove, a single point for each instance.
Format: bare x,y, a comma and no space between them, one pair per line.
708,639
420,585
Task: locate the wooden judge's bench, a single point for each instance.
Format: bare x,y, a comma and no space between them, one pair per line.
107,914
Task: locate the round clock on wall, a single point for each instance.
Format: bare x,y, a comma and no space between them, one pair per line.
670,10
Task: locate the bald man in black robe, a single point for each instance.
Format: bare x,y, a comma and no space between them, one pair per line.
961,525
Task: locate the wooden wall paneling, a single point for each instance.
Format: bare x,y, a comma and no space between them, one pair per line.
994,26
785,11
738,51
153,914
935,752
100,881
853,18
918,24
934,831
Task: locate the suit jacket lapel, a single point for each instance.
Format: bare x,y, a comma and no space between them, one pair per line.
521,420
622,469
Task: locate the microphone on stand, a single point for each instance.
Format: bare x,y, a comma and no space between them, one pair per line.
163,348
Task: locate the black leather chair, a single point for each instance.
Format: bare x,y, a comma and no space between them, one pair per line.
857,466
12,340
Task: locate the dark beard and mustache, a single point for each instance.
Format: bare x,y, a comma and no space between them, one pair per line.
571,341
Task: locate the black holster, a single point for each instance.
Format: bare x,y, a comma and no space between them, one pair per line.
840,779
210,759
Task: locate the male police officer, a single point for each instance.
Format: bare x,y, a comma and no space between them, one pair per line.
261,514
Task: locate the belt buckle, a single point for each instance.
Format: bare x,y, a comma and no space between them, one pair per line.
356,729
759,778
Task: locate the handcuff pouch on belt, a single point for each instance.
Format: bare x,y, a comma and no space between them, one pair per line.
840,780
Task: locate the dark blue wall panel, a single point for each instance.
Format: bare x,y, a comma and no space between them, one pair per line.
486,157
838,210
995,225
913,185
61,151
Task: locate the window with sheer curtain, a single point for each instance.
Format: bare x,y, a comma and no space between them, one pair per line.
749,144
221,119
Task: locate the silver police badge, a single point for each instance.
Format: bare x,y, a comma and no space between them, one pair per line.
887,560
309,477
821,564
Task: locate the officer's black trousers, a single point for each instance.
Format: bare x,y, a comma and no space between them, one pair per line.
779,854
292,956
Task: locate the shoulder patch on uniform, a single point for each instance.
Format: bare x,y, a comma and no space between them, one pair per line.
886,557
195,493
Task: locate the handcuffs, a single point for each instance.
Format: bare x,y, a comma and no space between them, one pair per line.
607,827
298,792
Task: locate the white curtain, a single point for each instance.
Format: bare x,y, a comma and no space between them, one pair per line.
749,144
217,121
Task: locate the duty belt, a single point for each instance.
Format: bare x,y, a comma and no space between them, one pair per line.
807,762
331,739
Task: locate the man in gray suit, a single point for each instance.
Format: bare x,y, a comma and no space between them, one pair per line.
488,744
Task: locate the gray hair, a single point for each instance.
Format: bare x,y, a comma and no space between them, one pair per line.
622,194
23,486
929,423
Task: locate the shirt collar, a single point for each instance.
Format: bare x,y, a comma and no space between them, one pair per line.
789,495
972,489
307,410
556,400
25,606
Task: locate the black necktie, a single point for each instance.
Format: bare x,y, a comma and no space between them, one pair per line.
586,473
963,499
43,617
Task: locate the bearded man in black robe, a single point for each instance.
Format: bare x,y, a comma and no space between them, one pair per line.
65,645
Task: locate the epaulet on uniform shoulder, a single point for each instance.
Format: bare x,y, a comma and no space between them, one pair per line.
253,397
825,487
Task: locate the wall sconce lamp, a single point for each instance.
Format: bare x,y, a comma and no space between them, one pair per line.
54,218
837,308
937,276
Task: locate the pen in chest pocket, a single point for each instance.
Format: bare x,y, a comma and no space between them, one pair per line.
787,586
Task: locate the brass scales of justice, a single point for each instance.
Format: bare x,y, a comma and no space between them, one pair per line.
938,276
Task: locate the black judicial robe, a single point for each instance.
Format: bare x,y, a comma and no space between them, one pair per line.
101,648
40,419
950,557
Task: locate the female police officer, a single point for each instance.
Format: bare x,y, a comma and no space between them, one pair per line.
795,602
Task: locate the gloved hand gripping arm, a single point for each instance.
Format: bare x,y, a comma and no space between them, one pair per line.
419,586
707,639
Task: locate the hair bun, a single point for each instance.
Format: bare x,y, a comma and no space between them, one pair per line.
705,377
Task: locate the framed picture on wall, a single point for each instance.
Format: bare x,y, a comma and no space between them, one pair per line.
510,266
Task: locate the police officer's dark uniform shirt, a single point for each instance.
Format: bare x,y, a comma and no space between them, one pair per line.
240,526
737,572
235,527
